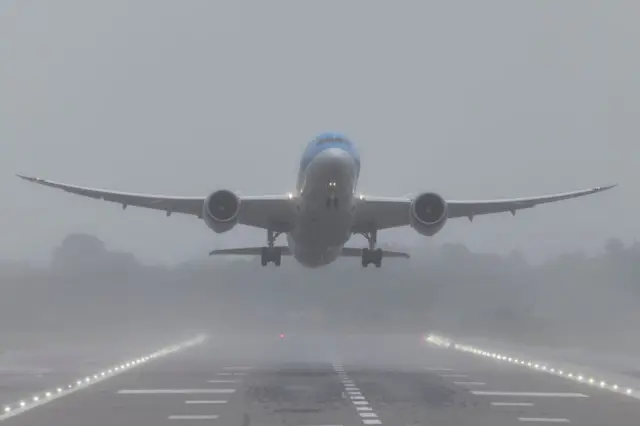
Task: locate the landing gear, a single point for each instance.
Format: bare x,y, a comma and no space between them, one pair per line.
271,253
371,254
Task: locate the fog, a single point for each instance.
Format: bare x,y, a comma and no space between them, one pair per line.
490,99
92,293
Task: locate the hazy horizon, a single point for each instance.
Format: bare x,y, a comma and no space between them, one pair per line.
488,100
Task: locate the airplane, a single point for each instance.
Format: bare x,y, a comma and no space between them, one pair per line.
323,213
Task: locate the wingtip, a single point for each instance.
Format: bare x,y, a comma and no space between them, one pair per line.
606,187
24,177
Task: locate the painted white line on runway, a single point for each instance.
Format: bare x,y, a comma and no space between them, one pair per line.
543,420
368,415
363,408
360,402
454,375
351,388
371,422
354,393
356,398
532,394
469,383
18,408
512,404
193,417
171,391
231,374
218,401
222,381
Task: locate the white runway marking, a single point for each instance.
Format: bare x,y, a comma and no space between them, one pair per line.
206,402
222,381
368,415
543,420
454,375
193,417
512,404
171,391
231,374
532,394
13,410
469,383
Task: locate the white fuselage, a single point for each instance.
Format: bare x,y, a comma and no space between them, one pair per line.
326,206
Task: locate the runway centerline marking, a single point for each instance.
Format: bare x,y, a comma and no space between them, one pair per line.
366,413
219,401
543,420
532,394
469,383
171,391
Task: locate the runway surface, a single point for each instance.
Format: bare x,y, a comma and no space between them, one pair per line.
312,380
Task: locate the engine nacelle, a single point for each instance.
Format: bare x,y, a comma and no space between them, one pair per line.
220,210
428,213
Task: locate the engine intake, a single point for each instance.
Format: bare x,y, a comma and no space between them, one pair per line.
220,210
428,213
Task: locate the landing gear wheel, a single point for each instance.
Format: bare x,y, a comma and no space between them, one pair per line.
371,254
377,257
271,253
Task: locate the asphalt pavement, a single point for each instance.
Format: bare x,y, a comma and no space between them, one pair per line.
313,380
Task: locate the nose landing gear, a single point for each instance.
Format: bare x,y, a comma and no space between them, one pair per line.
271,253
371,254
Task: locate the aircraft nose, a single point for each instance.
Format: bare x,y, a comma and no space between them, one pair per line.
337,156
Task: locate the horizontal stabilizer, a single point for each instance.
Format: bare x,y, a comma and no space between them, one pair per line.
257,251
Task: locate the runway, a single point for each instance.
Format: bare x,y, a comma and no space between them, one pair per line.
313,380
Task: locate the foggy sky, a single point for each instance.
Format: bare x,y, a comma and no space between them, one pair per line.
485,100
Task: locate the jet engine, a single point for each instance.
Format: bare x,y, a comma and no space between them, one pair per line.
428,213
220,210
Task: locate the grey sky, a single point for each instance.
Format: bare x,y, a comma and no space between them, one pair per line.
485,99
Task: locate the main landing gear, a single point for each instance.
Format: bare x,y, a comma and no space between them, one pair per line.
271,253
371,254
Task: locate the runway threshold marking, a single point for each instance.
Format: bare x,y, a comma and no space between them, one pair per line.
542,420
532,394
171,391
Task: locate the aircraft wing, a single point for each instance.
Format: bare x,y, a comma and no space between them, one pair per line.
256,251
389,212
259,211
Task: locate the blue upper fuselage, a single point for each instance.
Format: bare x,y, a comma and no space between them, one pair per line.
326,141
